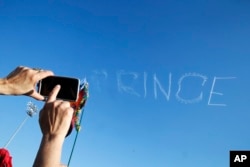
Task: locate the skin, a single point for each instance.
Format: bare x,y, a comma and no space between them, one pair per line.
54,120
22,81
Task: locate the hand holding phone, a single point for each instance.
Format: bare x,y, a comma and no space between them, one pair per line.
69,87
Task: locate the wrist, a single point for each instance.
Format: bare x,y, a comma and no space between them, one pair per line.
4,87
53,138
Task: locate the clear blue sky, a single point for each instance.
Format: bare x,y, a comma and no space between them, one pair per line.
162,92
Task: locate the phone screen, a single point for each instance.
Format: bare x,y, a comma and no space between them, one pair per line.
69,87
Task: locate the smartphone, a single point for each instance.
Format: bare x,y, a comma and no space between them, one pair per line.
69,87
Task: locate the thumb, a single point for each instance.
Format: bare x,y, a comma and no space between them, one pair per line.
37,96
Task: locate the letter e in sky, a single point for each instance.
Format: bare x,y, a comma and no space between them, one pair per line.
212,92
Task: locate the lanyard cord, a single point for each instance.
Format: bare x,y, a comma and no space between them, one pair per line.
30,110
17,130
73,147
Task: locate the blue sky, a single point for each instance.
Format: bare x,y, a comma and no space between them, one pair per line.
136,55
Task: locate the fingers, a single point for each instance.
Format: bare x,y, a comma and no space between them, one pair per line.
43,74
53,93
65,104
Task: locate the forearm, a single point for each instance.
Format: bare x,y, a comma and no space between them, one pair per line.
49,153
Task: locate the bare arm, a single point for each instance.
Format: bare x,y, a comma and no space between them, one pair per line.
55,119
49,154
